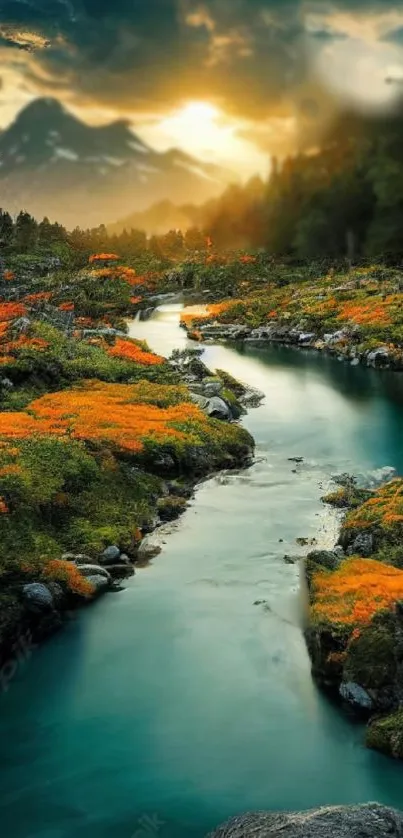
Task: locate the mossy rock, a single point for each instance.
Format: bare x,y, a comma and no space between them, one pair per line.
386,735
170,508
371,657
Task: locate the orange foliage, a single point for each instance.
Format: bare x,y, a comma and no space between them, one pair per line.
353,594
130,351
104,257
41,296
9,311
383,509
67,306
8,276
4,510
135,300
119,414
22,342
370,313
67,572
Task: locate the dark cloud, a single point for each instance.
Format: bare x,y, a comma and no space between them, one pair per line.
134,54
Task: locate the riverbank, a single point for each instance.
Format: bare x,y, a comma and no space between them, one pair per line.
355,623
355,316
87,471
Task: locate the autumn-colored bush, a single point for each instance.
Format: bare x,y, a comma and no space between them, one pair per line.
130,350
10,311
384,509
355,592
68,574
104,257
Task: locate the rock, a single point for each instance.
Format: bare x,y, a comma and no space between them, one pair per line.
212,388
328,559
110,554
370,820
306,337
356,696
355,362
147,551
38,595
88,570
218,409
78,558
200,400
363,545
378,357
100,583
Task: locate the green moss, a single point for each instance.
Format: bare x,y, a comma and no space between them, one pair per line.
386,735
371,660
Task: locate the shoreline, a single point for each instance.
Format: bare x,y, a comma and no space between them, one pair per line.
380,357
45,608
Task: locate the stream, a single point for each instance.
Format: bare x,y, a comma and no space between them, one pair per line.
166,708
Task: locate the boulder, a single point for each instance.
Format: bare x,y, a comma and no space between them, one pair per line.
356,696
99,583
110,554
379,357
78,558
370,820
329,559
363,545
218,409
38,595
147,551
200,400
88,570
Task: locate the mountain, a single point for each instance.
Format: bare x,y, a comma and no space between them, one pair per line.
161,217
53,164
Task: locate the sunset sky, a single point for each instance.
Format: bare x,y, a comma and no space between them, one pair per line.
232,81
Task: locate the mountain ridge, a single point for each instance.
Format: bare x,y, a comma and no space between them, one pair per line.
52,163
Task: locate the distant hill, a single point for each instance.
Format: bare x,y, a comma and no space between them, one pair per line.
53,164
161,217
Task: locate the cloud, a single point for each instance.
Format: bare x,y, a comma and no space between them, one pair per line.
251,57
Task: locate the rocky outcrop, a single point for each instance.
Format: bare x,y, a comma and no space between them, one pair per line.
367,821
343,343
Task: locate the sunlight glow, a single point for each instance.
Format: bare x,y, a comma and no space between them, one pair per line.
204,130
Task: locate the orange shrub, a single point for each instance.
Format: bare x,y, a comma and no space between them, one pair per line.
4,510
67,306
8,276
10,311
384,509
131,351
104,257
353,594
67,572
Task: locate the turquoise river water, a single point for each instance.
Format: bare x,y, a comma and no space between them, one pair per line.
166,708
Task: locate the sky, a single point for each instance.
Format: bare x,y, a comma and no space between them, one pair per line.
230,81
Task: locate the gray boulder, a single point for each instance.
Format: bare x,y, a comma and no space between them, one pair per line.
200,400
99,583
38,595
147,550
356,696
378,357
110,554
218,409
329,559
88,570
363,545
370,820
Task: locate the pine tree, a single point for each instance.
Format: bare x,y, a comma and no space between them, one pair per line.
6,228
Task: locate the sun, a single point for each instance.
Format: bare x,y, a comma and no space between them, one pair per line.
204,130
200,112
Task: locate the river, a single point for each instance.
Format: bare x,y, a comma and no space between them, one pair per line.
165,708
